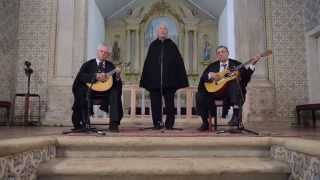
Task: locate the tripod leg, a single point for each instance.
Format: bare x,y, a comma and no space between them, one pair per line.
242,128
250,131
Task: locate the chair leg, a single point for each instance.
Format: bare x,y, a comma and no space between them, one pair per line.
313,118
210,123
298,117
215,123
8,116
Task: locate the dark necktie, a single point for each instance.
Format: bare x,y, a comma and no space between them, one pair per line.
101,67
224,66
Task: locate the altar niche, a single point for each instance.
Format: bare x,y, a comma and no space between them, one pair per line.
193,31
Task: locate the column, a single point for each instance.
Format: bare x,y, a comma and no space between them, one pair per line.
195,52
189,103
64,39
70,53
128,46
136,63
186,50
250,33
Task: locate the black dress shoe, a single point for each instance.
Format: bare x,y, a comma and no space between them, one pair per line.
114,128
169,128
233,123
234,120
204,127
169,123
158,127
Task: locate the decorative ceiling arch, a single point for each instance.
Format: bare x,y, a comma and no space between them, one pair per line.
114,8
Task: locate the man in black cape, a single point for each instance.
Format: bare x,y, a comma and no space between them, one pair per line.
163,52
233,93
90,72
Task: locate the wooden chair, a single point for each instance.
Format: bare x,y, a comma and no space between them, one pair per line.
214,113
98,99
7,106
308,107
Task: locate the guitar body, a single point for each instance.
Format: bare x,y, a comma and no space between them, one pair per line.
101,86
216,86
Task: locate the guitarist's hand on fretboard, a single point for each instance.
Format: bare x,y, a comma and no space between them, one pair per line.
255,59
118,73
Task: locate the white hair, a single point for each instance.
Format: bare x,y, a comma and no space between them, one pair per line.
101,45
163,24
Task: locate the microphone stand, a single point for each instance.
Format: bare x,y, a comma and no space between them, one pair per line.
240,127
87,120
28,71
161,94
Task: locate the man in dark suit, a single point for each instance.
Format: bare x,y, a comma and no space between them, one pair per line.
233,92
163,52
90,72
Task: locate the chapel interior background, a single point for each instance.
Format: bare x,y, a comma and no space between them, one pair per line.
57,36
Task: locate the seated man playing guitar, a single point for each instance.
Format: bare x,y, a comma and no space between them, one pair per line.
225,79
98,77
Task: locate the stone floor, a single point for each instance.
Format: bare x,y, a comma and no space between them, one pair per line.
131,127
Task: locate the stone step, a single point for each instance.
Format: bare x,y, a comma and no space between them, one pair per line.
91,147
213,168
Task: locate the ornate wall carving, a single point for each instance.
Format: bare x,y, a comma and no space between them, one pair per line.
286,23
35,23
312,14
303,166
23,166
9,13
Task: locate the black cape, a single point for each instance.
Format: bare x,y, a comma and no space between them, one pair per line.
174,72
245,74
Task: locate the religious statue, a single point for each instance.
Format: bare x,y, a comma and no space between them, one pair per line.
206,49
115,52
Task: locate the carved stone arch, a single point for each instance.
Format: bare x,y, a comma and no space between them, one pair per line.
163,8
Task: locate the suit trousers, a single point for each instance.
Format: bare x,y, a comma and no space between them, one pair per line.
156,105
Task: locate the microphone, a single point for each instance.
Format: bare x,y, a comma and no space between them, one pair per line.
28,70
27,63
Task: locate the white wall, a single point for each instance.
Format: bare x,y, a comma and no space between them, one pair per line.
96,29
227,28
313,63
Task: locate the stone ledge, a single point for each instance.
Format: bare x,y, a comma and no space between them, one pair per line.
310,147
160,166
14,146
165,141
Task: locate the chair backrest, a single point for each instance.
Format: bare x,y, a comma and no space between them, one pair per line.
99,99
5,104
219,102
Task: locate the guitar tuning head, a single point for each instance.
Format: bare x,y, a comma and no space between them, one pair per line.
266,53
